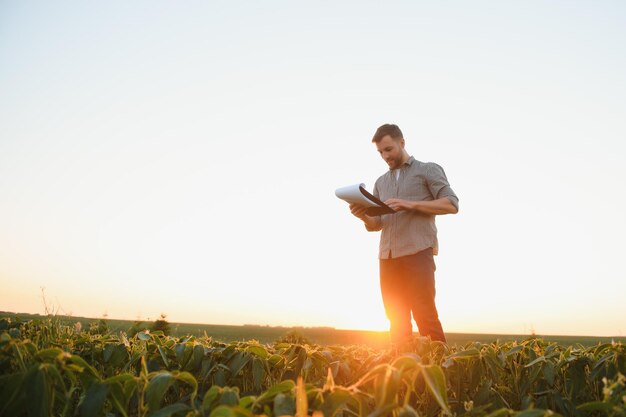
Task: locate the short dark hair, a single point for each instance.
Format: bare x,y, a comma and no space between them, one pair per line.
387,129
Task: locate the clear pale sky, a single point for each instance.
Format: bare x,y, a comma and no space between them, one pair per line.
181,158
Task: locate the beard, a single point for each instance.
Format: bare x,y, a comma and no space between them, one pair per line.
394,163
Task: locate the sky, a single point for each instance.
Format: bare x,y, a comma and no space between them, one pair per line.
181,158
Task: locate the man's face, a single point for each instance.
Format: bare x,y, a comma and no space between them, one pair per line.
391,151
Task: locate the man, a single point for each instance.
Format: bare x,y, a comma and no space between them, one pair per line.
417,192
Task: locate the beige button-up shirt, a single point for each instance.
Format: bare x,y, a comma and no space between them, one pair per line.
408,232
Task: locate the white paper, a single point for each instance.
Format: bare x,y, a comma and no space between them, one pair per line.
353,194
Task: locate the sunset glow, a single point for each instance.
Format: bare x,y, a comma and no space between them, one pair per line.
182,159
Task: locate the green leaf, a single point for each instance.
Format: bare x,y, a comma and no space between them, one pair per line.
531,413
257,350
163,356
539,359
298,362
182,350
247,401
87,369
145,336
170,410
118,398
372,374
230,396
595,406
502,412
196,359
465,354
242,412
120,378
258,373
115,354
93,402
436,383
37,393
11,396
108,352
406,362
284,405
548,373
55,380
219,378
276,360
209,397
238,362
281,387
388,387
336,401
49,354
225,411
188,379
514,350
156,389
222,411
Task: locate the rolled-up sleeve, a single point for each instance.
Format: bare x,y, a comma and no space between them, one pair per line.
438,184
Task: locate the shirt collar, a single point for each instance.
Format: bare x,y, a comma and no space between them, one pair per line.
408,162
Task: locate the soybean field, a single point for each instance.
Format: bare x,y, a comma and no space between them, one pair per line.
48,368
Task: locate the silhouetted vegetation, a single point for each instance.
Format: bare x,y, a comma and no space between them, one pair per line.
161,325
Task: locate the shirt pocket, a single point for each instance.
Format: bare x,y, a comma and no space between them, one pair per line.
415,188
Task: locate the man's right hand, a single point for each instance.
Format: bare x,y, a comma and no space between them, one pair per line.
371,223
358,211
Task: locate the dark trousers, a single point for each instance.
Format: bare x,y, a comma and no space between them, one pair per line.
407,285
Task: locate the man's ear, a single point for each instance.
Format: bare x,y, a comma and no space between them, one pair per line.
402,142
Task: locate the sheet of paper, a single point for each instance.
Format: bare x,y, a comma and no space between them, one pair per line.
352,194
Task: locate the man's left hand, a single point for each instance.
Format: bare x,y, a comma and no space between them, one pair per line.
433,207
399,205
